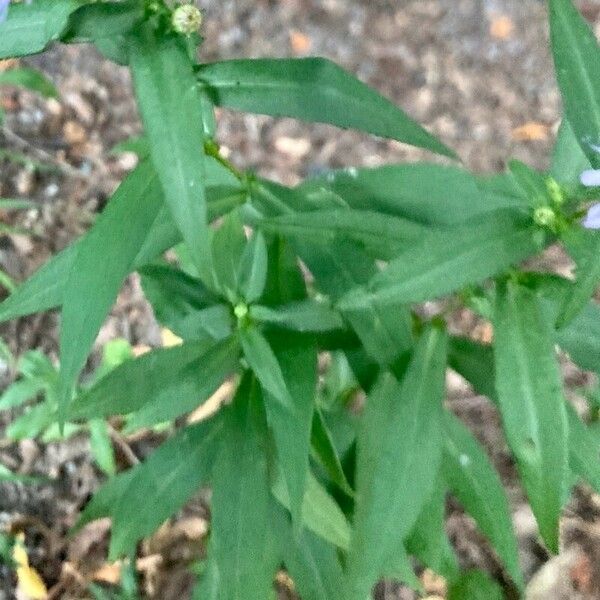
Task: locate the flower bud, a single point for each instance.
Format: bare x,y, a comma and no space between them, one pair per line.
555,191
544,216
186,19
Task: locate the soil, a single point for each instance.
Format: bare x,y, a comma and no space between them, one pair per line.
477,73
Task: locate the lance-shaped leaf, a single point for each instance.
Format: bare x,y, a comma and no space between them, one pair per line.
161,485
93,285
577,62
100,20
253,265
383,236
30,27
160,385
446,261
531,401
320,513
32,80
588,277
305,316
428,541
472,478
297,359
429,194
568,159
476,364
171,111
241,501
584,456
394,481
581,338
313,564
311,89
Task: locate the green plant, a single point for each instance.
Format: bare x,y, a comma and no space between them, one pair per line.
339,499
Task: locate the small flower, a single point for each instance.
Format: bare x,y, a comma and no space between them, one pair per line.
186,19
590,178
4,10
592,219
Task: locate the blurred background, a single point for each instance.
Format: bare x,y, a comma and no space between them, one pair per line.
477,73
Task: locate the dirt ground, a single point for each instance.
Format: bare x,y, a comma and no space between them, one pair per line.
475,72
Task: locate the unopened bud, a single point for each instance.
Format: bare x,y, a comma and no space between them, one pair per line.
186,19
555,191
544,216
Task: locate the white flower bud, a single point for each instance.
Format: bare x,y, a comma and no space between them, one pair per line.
186,19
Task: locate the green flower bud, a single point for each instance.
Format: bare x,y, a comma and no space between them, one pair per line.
186,19
240,311
544,216
555,191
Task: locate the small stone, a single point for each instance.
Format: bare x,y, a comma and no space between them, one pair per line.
74,133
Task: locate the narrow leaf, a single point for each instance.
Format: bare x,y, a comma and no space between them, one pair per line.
393,481
311,89
161,485
92,286
241,501
31,27
473,480
171,111
444,262
577,62
530,398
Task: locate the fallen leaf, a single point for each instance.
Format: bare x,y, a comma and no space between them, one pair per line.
213,404
300,42
501,27
532,131
109,573
169,339
29,583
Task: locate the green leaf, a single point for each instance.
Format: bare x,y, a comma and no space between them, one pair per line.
227,248
32,422
264,363
103,20
180,303
31,79
20,392
384,236
92,286
444,262
577,62
311,89
428,541
252,276
472,478
313,565
320,513
101,446
241,501
475,363
531,182
428,194
530,398
162,484
385,331
31,27
568,159
584,456
304,316
291,426
475,585
325,453
160,385
171,111
581,338
394,481
588,277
